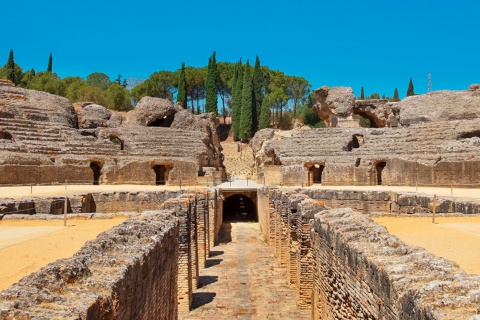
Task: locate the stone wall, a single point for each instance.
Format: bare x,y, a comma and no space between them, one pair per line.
194,211
353,268
128,272
390,202
361,270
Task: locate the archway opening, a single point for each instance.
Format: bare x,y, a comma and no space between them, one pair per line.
96,169
315,174
379,168
119,142
5,135
164,122
161,175
239,208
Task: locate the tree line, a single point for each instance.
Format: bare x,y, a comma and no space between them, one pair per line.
97,87
395,98
255,96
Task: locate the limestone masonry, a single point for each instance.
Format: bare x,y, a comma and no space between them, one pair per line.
430,140
45,139
339,262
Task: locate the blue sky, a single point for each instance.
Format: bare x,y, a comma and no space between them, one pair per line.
375,44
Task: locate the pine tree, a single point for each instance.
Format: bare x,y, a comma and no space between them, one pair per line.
383,96
182,87
49,67
410,91
247,102
264,121
362,94
257,83
395,95
237,102
10,68
211,86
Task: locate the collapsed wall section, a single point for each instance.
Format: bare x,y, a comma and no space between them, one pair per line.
128,272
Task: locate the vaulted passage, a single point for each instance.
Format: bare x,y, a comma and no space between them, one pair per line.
96,169
315,174
239,207
161,175
379,168
164,122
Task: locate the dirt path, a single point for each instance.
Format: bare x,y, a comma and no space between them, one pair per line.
453,238
26,246
243,280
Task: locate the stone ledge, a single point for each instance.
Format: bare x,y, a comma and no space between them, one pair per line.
107,277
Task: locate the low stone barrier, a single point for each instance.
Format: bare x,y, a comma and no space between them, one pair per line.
345,266
128,272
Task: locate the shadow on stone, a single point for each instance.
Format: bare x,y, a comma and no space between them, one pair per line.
225,233
206,280
216,253
202,298
212,262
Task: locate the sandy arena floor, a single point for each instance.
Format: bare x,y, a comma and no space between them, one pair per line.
453,238
28,245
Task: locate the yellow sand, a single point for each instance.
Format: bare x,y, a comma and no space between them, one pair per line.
28,245
453,238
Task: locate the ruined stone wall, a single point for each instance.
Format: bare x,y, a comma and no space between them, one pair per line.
346,266
390,202
128,272
363,271
194,210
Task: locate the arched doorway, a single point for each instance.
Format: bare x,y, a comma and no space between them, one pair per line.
4,135
164,122
96,169
379,168
239,208
315,174
161,175
119,142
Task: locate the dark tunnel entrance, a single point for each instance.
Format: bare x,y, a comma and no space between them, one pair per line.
239,208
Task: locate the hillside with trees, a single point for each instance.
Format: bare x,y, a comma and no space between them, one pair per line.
254,96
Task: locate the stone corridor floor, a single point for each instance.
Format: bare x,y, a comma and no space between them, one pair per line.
243,280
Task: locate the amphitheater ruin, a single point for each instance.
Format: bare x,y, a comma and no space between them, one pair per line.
313,198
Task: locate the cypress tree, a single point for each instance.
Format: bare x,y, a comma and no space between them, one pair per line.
182,87
49,68
211,86
237,102
11,67
264,121
362,94
257,82
247,102
410,91
383,96
395,95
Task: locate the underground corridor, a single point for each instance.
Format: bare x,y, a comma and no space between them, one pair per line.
240,208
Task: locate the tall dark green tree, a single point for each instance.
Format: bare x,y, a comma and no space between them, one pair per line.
362,94
49,67
10,67
182,87
211,86
264,121
237,102
257,83
410,90
395,95
247,101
